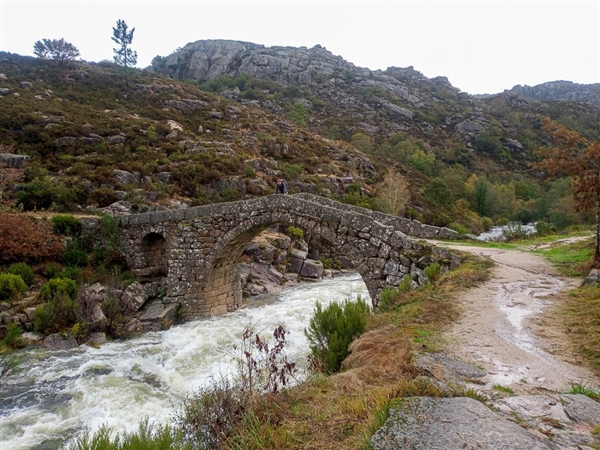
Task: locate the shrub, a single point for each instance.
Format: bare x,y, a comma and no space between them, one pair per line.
459,228
52,270
388,296
75,258
543,228
24,240
66,224
295,233
11,286
433,272
24,271
291,171
331,330
60,308
515,232
11,337
487,223
386,299
148,437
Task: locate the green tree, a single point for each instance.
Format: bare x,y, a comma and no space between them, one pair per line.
363,142
124,55
422,161
298,113
159,63
57,49
438,194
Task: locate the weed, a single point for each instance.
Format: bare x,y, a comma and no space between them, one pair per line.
584,390
295,233
504,389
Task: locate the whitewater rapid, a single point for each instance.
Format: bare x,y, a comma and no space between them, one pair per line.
57,394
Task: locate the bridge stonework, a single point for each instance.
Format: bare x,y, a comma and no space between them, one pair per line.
193,252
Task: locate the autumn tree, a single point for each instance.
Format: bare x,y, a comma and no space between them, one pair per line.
393,194
124,55
57,49
576,157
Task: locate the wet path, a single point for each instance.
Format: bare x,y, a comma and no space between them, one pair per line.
500,330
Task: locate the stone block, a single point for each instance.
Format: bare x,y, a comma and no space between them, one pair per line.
311,269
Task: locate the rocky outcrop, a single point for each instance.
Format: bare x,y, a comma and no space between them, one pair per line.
551,421
560,90
12,161
207,59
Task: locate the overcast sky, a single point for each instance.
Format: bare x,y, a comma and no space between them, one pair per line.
481,46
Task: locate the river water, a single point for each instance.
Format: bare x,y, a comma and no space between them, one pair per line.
57,394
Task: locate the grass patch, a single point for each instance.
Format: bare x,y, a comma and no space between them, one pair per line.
570,259
584,390
580,310
504,389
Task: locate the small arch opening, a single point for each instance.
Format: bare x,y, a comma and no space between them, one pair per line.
153,256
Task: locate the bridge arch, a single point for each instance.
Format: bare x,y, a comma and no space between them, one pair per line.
197,250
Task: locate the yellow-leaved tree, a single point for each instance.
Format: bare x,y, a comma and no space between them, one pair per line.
393,194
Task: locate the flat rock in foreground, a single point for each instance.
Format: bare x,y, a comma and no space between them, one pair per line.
461,423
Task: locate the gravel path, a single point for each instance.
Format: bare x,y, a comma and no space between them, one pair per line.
509,328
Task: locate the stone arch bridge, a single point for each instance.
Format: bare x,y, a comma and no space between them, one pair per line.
193,252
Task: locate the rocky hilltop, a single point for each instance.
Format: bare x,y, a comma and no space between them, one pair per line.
560,90
342,99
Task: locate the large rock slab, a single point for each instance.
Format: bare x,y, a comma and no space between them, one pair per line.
448,370
462,423
60,342
568,419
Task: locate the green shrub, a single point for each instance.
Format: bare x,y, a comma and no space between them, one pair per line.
388,296
433,272
66,224
330,263
11,286
295,233
60,306
502,221
75,258
11,337
459,228
291,171
331,330
148,437
23,270
487,223
386,299
543,228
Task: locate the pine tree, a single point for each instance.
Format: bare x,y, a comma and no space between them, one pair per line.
124,55
57,49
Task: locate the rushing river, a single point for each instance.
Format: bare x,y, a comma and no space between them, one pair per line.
57,394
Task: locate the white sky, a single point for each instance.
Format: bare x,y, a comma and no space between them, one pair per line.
481,46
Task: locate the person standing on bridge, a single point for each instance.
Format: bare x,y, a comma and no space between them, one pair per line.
281,186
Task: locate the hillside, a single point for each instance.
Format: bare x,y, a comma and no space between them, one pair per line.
222,120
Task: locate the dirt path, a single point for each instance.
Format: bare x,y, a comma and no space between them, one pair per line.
509,329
